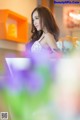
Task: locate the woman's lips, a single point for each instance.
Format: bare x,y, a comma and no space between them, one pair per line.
37,26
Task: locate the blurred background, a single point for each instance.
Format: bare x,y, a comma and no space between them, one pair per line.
19,11
65,15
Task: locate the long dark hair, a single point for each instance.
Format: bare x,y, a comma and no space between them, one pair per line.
47,19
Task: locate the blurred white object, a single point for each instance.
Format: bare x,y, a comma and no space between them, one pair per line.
59,45
19,63
67,45
78,44
68,87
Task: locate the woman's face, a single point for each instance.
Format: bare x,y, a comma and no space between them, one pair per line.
36,21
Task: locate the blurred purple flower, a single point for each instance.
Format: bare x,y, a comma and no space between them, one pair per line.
20,79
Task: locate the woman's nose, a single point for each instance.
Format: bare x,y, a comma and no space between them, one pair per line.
35,23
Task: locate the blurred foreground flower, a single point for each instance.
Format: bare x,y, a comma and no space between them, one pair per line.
28,85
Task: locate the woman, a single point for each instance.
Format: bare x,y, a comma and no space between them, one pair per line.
45,31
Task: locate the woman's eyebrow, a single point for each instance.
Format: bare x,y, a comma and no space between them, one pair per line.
36,16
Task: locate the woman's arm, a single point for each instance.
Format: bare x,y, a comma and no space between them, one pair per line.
51,41
56,53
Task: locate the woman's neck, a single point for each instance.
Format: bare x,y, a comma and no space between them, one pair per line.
45,30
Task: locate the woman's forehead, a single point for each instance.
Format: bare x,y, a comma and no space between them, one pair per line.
35,14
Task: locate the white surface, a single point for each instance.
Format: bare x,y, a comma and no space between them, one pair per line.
18,63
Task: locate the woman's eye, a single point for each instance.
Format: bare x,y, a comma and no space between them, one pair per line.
37,17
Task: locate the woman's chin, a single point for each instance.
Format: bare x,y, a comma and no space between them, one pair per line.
38,29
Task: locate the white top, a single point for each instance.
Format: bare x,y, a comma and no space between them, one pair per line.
36,47
43,53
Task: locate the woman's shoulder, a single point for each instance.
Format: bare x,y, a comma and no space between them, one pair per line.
49,36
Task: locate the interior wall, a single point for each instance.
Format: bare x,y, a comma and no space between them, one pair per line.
22,7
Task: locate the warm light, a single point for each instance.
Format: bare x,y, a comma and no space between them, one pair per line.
12,30
75,16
